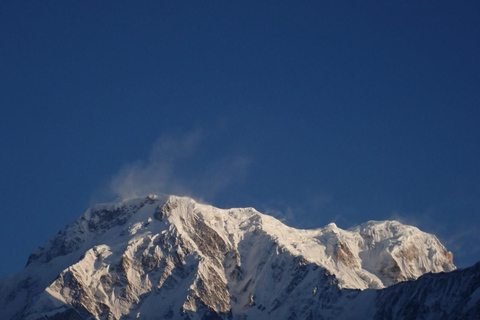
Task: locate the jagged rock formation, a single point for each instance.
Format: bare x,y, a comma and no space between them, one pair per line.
167,257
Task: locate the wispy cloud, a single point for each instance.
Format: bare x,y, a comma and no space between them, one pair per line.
168,169
283,213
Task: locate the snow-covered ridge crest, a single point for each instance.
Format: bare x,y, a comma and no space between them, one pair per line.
128,257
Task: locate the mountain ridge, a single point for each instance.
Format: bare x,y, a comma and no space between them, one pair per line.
125,259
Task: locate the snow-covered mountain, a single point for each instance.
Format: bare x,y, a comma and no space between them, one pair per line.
168,257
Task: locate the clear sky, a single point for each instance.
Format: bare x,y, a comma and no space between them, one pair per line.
312,111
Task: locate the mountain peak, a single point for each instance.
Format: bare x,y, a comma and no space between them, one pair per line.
120,258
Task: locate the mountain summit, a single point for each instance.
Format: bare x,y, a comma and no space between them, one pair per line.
168,257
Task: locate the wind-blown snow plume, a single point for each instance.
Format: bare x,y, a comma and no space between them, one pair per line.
166,169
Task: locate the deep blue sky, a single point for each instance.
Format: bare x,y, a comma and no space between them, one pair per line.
313,112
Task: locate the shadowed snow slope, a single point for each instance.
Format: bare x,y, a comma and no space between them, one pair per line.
168,257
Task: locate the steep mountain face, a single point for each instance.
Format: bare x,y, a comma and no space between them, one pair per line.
443,296
167,257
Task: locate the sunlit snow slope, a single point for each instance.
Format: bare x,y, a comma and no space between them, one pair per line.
168,257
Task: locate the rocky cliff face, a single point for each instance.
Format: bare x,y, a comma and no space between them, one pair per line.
166,257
